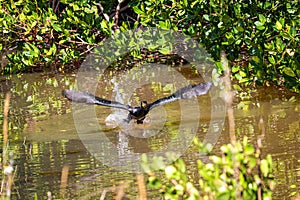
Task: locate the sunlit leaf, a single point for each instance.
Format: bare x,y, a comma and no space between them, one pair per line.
288,71
137,10
235,68
262,19
165,50
170,171
258,23
264,167
56,27
154,182
206,17
278,25
271,59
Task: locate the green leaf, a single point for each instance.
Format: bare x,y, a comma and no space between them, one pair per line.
292,99
206,17
62,41
235,68
35,196
157,163
249,150
262,19
224,195
170,172
154,182
137,10
225,43
261,28
259,25
56,27
286,35
35,49
33,24
163,24
264,167
271,59
288,71
238,76
216,159
278,25
256,59
22,17
237,87
240,29
104,24
52,50
243,74
165,50
39,37
244,80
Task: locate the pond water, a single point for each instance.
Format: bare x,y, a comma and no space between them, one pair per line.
46,139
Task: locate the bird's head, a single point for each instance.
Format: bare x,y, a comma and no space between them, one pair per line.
144,104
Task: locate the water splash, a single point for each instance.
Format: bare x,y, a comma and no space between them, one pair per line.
118,115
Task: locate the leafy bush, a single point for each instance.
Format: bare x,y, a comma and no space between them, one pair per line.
239,172
43,33
261,38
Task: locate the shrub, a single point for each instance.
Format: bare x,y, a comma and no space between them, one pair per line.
239,172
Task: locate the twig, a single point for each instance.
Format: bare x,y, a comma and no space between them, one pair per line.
121,10
141,186
132,18
120,194
80,43
102,10
5,121
7,165
86,51
64,179
258,151
80,39
116,18
103,194
57,6
228,97
284,52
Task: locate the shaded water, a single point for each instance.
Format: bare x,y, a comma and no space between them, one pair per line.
44,139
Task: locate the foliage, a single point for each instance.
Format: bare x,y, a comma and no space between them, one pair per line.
261,38
239,172
38,33
148,45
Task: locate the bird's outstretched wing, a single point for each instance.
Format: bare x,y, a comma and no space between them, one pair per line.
85,97
183,93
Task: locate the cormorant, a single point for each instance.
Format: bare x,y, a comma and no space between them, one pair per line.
139,113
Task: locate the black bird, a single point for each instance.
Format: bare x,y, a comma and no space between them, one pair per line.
139,113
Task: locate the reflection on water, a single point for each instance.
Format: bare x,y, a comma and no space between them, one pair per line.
172,132
43,137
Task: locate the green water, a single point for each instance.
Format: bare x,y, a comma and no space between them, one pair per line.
43,137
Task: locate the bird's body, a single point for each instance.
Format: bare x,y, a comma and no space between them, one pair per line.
139,113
